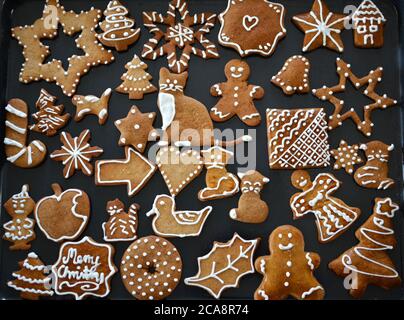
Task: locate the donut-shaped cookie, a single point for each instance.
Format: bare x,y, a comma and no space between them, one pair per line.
151,268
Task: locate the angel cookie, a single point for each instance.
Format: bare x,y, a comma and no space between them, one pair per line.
237,95
288,271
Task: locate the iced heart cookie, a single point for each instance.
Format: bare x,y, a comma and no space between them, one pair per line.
151,268
63,215
90,104
84,268
252,26
288,271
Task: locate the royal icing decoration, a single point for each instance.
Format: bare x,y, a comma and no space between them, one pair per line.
322,28
346,157
252,26
186,35
76,153
368,261
370,82
224,265
121,225
134,171
90,104
297,138
168,222
15,139
151,268
49,118
20,230
117,27
333,216
84,268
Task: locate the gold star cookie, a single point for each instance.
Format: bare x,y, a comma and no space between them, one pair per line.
346,156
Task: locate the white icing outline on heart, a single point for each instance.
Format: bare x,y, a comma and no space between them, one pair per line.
250,19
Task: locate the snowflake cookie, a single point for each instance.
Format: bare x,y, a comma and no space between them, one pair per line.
346,156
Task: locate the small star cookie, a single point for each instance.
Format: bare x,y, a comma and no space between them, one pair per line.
346,156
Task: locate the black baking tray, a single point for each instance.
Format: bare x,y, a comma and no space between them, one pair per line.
203,74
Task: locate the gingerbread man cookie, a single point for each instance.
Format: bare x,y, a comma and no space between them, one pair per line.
92,105
288,271
237,95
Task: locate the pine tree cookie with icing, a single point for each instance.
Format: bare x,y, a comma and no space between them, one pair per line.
288,271
224,265
252,26
237,95
84,268
90,104
20,230
370,83
322,28
136,81
333,216
151,268
294,76
346,156
32,281
117,27
76,153
15,139
368,263
183,33
297,138
46,28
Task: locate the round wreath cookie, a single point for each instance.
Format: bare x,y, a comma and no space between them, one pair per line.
151,268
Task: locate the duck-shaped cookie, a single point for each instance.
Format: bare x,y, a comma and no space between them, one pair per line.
171,223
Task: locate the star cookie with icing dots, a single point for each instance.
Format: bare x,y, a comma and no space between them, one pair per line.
136,129
46,27
186,35
346,156
370,82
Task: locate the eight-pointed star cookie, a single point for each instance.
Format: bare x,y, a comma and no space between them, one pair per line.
322,28
346,156
136,128
46,27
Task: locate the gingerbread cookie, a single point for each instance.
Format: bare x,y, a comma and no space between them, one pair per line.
219,182
252,26
84,268
178,168
368,25
237,95
370,82
168,222
63,215
46,27
20,230
368,262
297,138
288,271
185,35
32,280
251,209
121,226
224,265
117,27
374,174
346,156
136,129
333,216
15,139
92,105
49,118
134,171
136,81
151,268
322,28
76,153
294,76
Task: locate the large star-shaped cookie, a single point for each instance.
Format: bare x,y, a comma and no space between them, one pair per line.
35,52
136,128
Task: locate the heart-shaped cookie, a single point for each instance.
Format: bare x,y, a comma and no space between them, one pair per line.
249,22
178,168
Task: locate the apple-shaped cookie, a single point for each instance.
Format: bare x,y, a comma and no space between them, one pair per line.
64,215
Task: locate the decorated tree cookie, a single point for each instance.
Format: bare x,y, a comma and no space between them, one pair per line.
136,81
368,261
32,280
117,27
20,230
